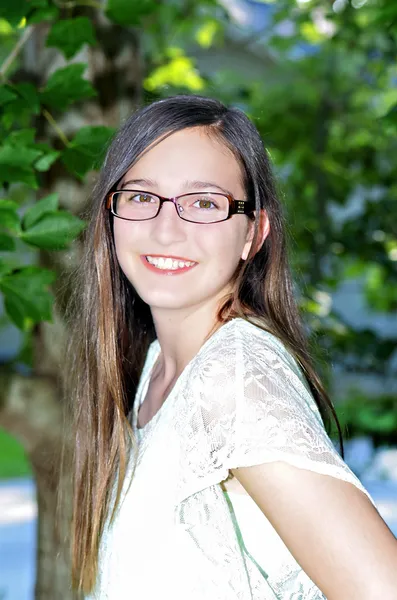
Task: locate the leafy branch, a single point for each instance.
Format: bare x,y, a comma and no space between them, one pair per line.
15,51
55,126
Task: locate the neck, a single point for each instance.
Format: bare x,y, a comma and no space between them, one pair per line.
181,335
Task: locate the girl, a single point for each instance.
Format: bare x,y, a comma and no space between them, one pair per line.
202,464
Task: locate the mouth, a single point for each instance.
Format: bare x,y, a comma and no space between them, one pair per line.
168,264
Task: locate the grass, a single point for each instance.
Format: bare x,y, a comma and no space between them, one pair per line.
13,461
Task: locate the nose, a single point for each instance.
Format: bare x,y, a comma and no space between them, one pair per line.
168,228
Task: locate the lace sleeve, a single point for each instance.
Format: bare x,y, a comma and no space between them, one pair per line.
253,406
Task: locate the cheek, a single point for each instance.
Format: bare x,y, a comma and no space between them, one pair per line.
127,237
225,246
124,234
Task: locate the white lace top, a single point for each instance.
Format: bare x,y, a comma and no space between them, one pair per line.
177,534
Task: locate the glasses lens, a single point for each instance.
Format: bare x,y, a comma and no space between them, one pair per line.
135,205
204,207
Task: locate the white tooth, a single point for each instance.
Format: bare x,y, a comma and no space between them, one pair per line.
168,263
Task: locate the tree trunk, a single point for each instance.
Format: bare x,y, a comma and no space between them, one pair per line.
30,410
53,564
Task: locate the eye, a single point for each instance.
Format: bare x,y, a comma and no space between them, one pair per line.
140,197
205,203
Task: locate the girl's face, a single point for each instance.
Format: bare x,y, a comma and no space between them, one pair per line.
186,161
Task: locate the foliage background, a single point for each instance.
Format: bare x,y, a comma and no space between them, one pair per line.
319,79
322,90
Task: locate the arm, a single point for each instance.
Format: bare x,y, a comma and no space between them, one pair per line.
330,527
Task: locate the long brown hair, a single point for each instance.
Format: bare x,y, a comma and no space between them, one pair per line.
113,327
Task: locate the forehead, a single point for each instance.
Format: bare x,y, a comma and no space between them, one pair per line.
190,154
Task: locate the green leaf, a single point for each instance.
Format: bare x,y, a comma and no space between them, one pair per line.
383,15
69,35
8,205
391,117
17,156
87,149
130,12
28,92
14,10
371,419
20,110
45,162
16,164
6,95
9,218
49,204
15,309
24,137
66,86
5,268
54,231
49,13
27,297
7,243
19,175
77,161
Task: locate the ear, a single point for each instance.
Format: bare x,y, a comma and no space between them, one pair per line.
263,232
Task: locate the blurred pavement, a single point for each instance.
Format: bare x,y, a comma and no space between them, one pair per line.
17,539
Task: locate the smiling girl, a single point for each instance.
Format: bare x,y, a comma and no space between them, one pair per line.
203,468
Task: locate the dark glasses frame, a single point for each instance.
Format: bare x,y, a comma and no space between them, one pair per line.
236,207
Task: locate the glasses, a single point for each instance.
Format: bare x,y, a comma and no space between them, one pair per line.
195,207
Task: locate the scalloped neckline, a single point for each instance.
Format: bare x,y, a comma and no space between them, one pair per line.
143,430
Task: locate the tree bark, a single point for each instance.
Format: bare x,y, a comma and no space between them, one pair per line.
30,410
53,563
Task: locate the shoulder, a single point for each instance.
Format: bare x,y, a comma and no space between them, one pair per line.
249,336
250,368
242,345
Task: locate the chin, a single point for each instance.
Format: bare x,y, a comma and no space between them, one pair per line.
166,301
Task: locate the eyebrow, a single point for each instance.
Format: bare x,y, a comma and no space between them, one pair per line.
190,185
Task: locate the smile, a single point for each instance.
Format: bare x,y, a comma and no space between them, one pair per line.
168,264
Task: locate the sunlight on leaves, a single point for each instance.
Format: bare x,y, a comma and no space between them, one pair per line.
179,72
391,247
380,293
5,27
311,33
206,33
14,11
